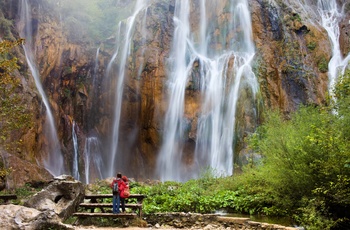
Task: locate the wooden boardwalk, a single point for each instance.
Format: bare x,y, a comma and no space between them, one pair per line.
97,202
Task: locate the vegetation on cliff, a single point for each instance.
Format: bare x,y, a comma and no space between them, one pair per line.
13,115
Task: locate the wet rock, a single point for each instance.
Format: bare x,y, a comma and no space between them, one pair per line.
62,196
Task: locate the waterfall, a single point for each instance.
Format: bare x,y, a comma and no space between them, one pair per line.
220,83
96,68
54,159
92,159
122,52
75,169
169,163
331,16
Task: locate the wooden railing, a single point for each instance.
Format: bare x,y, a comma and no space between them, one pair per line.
98,201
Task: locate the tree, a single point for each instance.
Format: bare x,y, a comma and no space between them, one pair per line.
306,161
13,114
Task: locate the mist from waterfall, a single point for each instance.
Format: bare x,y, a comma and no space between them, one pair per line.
53,161
220,84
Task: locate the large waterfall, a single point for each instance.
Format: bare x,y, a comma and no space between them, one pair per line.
199,58
220,83
53,162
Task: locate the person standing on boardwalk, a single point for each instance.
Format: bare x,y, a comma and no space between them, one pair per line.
117,186
124,192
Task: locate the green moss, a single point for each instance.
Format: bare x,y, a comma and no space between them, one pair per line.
311,45
5,28
322,64
296,17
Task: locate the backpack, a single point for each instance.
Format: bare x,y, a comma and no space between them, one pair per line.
126,192
115,188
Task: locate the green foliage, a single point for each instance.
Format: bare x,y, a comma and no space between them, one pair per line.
13,115
322,64
305,166
296,16
5,27
311,45
4,171
22,193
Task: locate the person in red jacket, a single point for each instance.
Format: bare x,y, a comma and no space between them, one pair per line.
124,192
116,195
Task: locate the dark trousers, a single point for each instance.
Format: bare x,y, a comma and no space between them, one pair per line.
122,204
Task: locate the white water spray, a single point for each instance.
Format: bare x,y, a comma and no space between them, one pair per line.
54,160
220,87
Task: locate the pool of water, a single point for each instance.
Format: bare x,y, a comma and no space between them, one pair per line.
285,221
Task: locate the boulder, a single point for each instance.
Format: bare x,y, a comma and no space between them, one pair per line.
62,196
20,217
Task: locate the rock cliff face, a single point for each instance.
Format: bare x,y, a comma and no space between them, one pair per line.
292,52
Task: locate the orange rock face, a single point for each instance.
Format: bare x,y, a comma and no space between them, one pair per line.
290,51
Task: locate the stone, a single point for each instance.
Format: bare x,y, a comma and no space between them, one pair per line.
62,196
20,217
235,220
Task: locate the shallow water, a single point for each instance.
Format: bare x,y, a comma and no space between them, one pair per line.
285,221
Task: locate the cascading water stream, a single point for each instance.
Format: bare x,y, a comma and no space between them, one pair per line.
96,68
169,163
330,15
123,50
220,88
54,160
75,168
92,158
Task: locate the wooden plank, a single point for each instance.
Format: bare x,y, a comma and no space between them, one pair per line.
98,205
100,214
8,197
97,196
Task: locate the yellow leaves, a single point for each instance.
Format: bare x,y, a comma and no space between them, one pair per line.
6,46
13,115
